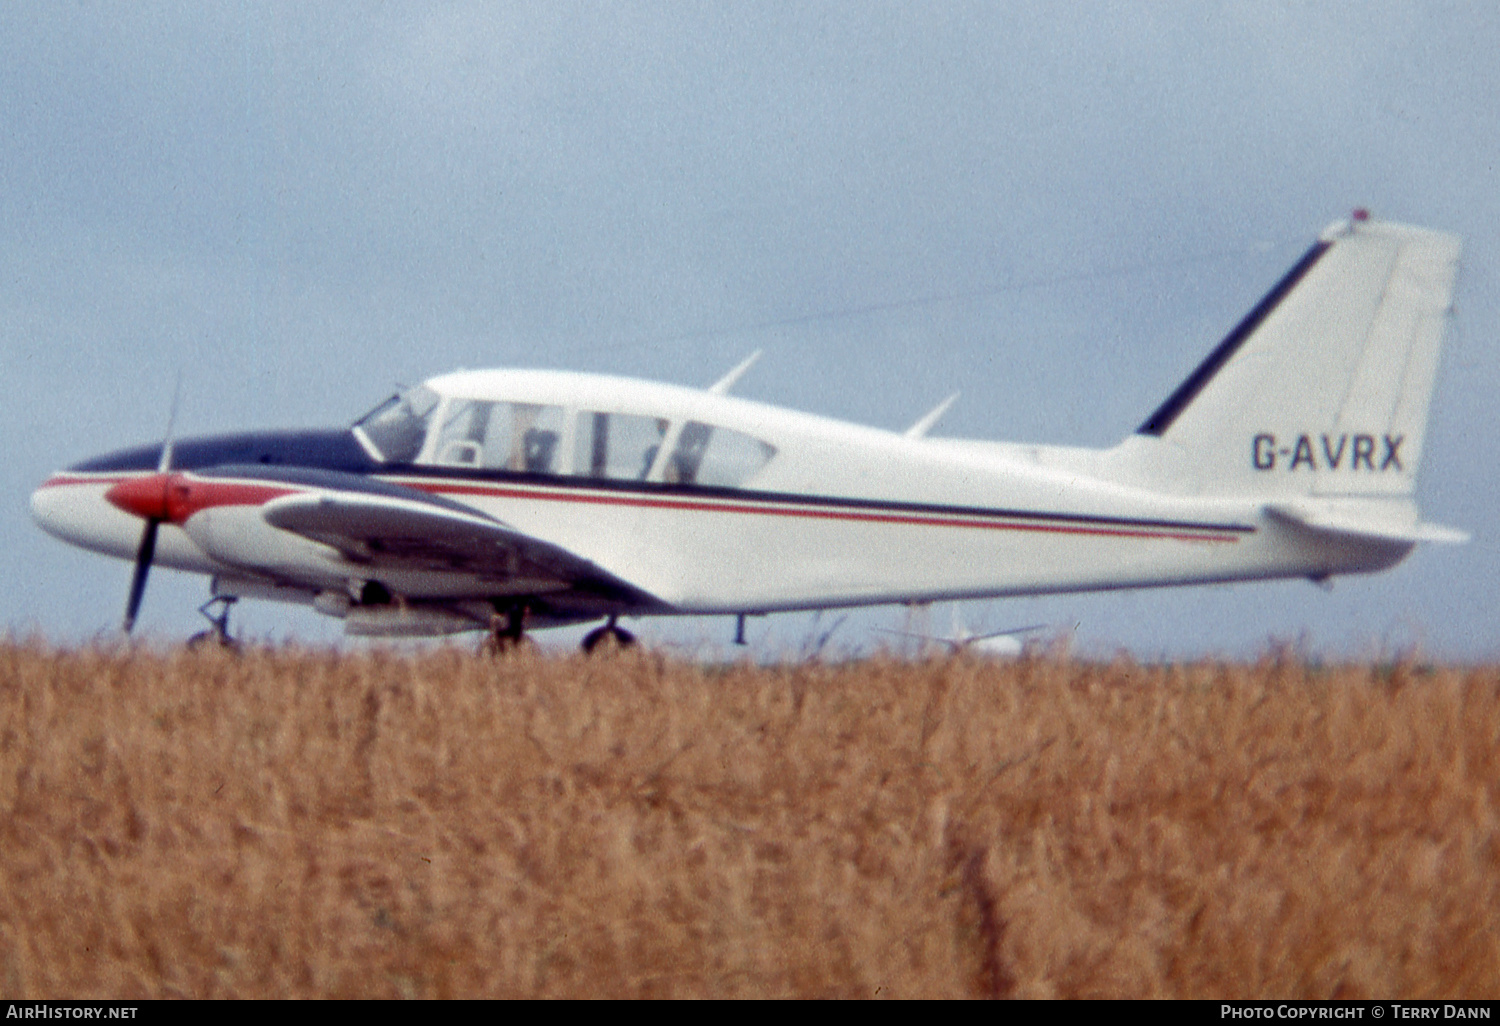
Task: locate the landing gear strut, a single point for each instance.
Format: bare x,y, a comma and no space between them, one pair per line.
219,635
610,633
507,628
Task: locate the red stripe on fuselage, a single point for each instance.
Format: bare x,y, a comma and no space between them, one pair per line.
995,522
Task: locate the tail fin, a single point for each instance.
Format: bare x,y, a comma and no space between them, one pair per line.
1323,388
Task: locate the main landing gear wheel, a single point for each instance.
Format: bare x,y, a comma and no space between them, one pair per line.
609,636
219,635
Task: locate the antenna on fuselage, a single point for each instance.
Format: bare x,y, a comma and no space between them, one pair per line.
724,384
921,427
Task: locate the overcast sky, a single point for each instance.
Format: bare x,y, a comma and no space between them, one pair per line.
1057,209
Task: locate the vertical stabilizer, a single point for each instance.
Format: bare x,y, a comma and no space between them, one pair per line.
1323,388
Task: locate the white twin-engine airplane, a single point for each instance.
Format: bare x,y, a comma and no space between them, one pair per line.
504,500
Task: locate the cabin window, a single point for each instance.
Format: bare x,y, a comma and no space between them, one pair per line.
716,456
398,427
617,446
520,437
625,447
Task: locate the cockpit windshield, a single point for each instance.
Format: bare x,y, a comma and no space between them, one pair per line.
397,427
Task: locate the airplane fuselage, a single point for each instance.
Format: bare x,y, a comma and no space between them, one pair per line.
840,515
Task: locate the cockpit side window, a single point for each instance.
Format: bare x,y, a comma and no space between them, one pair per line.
500,436
397,427
461,441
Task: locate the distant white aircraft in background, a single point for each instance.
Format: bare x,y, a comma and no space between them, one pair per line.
504,500
1008,643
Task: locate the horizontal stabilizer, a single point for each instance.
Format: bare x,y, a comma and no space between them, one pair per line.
1343,521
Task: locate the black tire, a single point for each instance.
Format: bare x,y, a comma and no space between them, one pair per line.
204,639
607,637
504,644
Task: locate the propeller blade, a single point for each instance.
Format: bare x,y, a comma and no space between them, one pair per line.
166,445
128,500
142,567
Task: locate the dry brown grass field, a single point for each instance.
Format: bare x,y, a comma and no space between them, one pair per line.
307,824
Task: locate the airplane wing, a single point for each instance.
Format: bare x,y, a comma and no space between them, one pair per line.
395,527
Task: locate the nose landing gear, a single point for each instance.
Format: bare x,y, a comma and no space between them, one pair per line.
219,635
